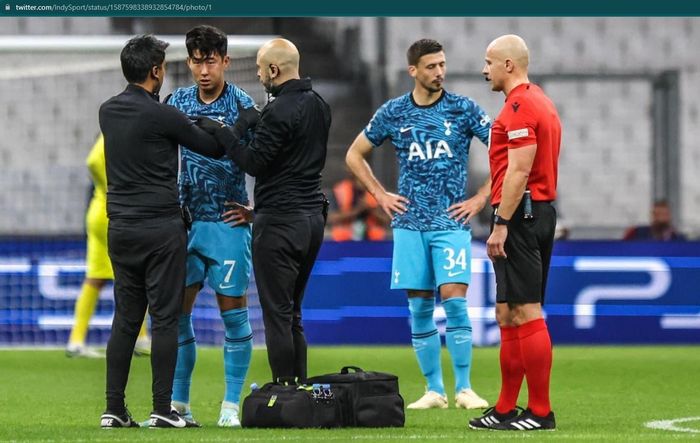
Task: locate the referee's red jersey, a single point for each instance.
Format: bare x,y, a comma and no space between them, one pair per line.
528,118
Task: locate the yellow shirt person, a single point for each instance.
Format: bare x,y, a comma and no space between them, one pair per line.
98,266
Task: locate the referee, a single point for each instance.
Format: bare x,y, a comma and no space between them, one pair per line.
524,155
286,157
146,236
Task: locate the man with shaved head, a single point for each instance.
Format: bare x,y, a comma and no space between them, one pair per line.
524,154
286,156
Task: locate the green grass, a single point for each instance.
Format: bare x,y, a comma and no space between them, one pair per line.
598,394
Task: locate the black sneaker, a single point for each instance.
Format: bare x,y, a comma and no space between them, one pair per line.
110,421
492,418
527,421
171,420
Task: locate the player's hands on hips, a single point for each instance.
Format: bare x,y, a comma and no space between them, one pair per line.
237,214
464,211
392,203
495,245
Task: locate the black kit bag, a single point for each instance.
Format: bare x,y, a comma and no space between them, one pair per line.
288,405
374,398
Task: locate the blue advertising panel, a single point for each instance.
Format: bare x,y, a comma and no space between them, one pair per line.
598,292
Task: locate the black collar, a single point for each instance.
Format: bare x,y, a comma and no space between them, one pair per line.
442,95
303,84
133,87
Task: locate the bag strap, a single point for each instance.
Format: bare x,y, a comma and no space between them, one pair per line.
346,369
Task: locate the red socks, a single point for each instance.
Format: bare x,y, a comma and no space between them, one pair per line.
526,349
536,349
512,370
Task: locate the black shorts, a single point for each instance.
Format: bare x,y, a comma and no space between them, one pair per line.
522,277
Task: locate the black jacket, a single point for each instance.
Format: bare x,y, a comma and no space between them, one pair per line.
288,151
141,153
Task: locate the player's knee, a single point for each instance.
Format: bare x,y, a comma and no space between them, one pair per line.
226,303
190,297
453,290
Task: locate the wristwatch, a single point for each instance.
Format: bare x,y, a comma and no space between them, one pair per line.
498,220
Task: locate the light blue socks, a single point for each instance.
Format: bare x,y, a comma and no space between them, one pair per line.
186,358
426,341
238,348
459,340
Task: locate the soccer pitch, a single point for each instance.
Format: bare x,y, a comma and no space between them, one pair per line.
598,394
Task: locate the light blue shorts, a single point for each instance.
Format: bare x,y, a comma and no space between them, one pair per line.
220,253
427,260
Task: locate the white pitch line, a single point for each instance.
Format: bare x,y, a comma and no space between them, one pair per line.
670,425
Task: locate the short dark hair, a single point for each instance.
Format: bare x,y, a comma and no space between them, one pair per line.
207,39
139,55
420,48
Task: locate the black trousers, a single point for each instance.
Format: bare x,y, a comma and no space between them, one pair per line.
284,251
148,258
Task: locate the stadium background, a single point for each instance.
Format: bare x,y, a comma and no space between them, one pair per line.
625,88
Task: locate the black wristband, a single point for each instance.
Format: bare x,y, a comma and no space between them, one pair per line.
498,220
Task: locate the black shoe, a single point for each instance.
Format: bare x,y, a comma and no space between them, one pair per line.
492,418
109,420
527,421
171,420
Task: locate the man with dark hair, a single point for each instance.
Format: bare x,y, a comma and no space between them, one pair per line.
146,235
286,156
661,227
218,246
524,157
431,130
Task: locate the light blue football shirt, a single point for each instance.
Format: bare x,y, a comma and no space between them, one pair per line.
432,145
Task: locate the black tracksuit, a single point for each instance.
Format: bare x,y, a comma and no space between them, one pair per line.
286,158
147,238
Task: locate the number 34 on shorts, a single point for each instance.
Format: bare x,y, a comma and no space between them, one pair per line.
426,260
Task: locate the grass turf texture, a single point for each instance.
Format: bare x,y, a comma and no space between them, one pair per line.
598,393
